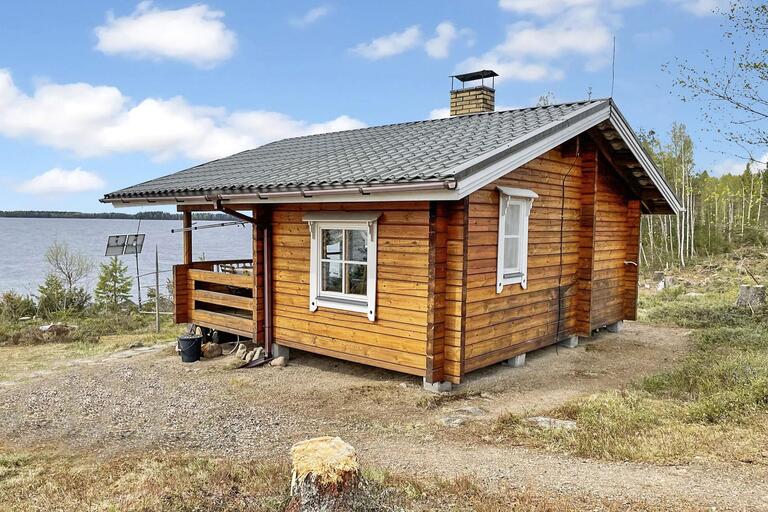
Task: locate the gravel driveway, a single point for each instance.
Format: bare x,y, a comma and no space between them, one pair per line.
148,400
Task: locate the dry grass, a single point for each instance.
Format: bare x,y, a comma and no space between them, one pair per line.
47,480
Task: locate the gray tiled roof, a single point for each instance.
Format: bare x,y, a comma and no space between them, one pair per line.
397,153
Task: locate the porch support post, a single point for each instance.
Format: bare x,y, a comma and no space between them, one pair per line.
186,220
261,215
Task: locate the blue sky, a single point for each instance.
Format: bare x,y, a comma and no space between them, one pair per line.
95,96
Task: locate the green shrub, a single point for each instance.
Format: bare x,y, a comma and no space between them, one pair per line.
14,306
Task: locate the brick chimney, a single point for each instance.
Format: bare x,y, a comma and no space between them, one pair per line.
476,98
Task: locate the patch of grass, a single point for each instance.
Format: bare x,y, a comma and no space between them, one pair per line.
46,480
436,400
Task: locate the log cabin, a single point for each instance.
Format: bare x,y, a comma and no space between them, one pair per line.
432,248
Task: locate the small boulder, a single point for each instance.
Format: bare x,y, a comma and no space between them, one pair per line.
551,423
453,421
278,361
258,353
242,350
249,356
211,350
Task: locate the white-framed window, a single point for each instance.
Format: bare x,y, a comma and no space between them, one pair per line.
512,253
342,263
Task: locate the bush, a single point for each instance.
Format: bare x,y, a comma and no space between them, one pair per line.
14,306
54,298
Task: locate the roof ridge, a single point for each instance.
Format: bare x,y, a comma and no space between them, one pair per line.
439,119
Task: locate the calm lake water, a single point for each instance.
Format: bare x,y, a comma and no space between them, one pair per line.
24,242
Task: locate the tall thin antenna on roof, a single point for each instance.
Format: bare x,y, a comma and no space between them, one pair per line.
613,65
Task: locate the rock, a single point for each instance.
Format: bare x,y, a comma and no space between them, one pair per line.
470,411
278,361
453,421
54,331
242,349
249,356
551,423
403,385
211,350
258,353
750,296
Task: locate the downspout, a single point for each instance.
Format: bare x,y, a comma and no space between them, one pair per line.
267,243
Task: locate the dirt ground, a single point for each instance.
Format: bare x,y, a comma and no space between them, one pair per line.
148,400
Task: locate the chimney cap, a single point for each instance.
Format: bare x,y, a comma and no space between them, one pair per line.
475,75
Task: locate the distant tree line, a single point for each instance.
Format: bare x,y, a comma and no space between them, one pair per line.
152,215
721,212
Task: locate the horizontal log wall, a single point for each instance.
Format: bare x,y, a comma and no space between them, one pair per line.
502,325
397,339
455,290
611,239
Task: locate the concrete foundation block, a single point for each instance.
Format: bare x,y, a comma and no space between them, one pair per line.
437,387
280,351
515,362
615,327
571,342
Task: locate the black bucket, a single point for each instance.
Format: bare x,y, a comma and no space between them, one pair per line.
191,347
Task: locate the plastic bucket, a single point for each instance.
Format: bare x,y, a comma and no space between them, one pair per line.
190,346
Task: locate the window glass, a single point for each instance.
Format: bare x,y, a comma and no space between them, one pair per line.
332,244
512,221
356,244
511,254
331,277
357,279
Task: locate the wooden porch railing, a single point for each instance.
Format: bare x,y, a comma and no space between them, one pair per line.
209,297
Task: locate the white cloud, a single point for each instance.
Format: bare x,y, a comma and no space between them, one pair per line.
60,181
439,46
510,68
390,45
193,34
98,120
310,17
701,7
439,113
736,166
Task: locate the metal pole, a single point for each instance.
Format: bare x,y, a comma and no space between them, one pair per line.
157,291
138,277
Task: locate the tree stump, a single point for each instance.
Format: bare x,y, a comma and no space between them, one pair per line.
326,476
751,296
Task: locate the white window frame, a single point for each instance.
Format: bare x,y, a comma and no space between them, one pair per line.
342,220
524,198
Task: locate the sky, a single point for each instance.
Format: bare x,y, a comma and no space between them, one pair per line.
96,96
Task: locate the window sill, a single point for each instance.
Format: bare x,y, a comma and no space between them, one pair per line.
508,279
356,306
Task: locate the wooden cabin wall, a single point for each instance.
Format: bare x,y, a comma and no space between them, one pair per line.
612,235
397,339
455,290
517,320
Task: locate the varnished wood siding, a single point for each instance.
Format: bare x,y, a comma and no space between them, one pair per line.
633,254
589,172
397,339
455,290
611,240
517,320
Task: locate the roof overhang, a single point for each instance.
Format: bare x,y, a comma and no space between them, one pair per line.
471,175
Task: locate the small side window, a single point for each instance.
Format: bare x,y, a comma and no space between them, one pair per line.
512,260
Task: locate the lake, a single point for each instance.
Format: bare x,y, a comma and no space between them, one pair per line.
24,242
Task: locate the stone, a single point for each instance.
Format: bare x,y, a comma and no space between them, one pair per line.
211,350
551,423
470,411
249,356
453,421
571,342
242,349
515,362
280,351
279,362
437,387
615,327
750,296
258,353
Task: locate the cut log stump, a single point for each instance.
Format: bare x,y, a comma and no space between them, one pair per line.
326,476
751,296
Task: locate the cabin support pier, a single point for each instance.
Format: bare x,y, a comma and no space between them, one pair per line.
571,342
515,362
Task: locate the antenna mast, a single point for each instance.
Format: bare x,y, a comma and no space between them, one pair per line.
613,65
